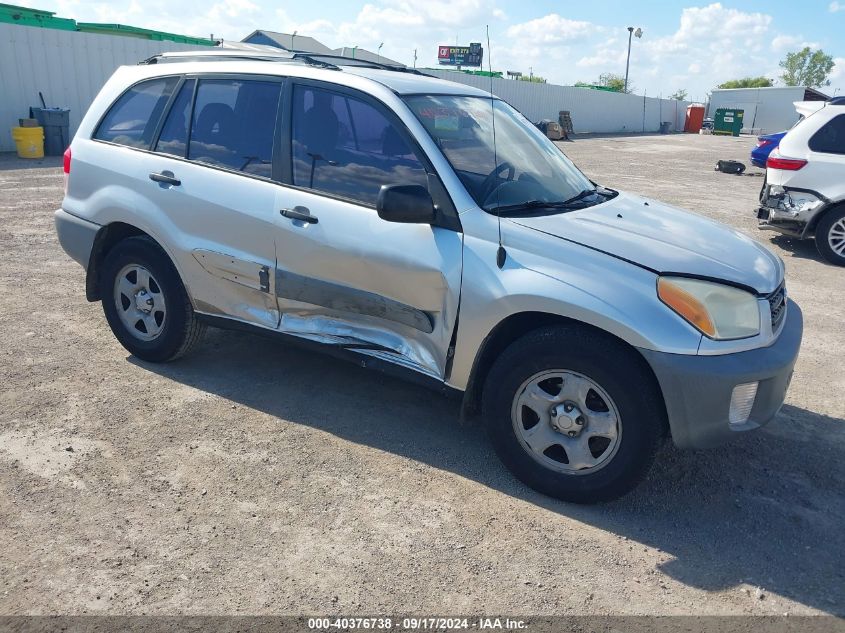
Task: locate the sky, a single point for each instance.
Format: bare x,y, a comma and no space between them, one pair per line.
685,45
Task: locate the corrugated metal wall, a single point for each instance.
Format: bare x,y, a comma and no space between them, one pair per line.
592,110
765,110
69,67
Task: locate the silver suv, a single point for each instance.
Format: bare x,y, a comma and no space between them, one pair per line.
427,228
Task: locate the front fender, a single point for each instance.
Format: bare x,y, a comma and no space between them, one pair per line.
578,284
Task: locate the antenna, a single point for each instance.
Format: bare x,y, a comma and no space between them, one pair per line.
501,254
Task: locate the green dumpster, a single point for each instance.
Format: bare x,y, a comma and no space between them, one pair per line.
728,121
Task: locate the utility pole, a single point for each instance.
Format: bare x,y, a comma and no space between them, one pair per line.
415,58
292,35
639,34
379,52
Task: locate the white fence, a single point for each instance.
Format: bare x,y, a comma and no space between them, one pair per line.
68,67
596,111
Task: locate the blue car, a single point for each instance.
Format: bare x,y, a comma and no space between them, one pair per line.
765,144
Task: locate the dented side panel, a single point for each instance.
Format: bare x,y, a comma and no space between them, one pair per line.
353,278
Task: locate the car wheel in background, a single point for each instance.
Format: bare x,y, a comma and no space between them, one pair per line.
830,236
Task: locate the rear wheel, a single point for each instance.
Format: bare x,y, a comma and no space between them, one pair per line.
830,236
574,414
145,303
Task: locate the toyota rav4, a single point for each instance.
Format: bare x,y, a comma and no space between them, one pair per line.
424,227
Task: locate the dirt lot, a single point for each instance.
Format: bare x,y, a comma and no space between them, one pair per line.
255,478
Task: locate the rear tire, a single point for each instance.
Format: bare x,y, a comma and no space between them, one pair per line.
607,448
830,236
145,303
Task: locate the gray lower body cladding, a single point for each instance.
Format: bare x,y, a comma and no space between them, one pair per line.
697,389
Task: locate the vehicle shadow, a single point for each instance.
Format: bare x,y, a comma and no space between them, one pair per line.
802,249
767,510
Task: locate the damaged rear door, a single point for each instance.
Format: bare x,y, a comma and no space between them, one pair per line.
344,276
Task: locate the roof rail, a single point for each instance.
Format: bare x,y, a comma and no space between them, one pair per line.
331,62
837,101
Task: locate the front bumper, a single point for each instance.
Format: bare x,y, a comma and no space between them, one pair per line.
76,236
697,389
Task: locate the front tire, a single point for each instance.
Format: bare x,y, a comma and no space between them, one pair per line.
830,236
574,414
145,303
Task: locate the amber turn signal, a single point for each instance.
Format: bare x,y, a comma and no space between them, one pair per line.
686,305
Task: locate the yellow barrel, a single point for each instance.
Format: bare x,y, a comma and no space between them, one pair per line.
29,141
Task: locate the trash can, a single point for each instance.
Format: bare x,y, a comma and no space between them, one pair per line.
664,127
56,124
29,141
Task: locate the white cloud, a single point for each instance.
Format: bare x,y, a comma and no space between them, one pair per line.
551,29
835,6
837,74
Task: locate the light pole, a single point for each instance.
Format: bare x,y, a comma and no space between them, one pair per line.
639,34
379,52
292,35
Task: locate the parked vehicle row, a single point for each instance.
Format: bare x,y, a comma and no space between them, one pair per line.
427,228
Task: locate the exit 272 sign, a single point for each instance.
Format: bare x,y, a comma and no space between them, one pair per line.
460,55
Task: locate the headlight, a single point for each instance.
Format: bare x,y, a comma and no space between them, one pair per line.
718,311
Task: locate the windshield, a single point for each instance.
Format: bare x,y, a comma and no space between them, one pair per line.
525,170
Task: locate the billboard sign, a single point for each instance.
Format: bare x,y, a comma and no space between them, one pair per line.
460,55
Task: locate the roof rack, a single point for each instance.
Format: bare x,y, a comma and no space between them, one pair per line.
331,62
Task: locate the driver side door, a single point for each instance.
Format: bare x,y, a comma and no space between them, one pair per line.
344,275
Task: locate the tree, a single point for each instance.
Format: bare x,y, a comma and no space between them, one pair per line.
680,95
807,68
537,79
747,82
615,82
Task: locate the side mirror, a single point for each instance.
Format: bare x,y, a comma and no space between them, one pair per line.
411,204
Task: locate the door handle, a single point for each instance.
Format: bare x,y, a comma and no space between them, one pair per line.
300,213
166,177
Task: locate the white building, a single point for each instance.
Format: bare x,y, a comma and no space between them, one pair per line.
766,110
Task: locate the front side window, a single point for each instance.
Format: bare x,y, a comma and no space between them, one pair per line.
830,138
504,167
346,147
234,123
133,118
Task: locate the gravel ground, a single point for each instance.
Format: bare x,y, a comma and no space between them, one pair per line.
255,478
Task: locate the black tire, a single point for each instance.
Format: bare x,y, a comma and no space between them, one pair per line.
823,229
618,370
180,330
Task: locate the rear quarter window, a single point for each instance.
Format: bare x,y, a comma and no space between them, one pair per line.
133,118
830,138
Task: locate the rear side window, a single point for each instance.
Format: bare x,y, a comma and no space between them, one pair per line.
346,147
830,139
234,123
174,135
133,118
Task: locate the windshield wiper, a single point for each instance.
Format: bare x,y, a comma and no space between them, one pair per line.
571,203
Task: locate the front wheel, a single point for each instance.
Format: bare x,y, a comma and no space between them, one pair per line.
830,236
574,414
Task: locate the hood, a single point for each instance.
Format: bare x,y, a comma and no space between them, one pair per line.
666,240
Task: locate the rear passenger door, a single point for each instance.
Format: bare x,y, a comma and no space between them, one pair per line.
346,276
211,171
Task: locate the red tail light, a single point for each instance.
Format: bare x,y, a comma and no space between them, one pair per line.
66,166
789,164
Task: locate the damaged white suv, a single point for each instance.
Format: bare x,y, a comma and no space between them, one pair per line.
804,195
380,215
